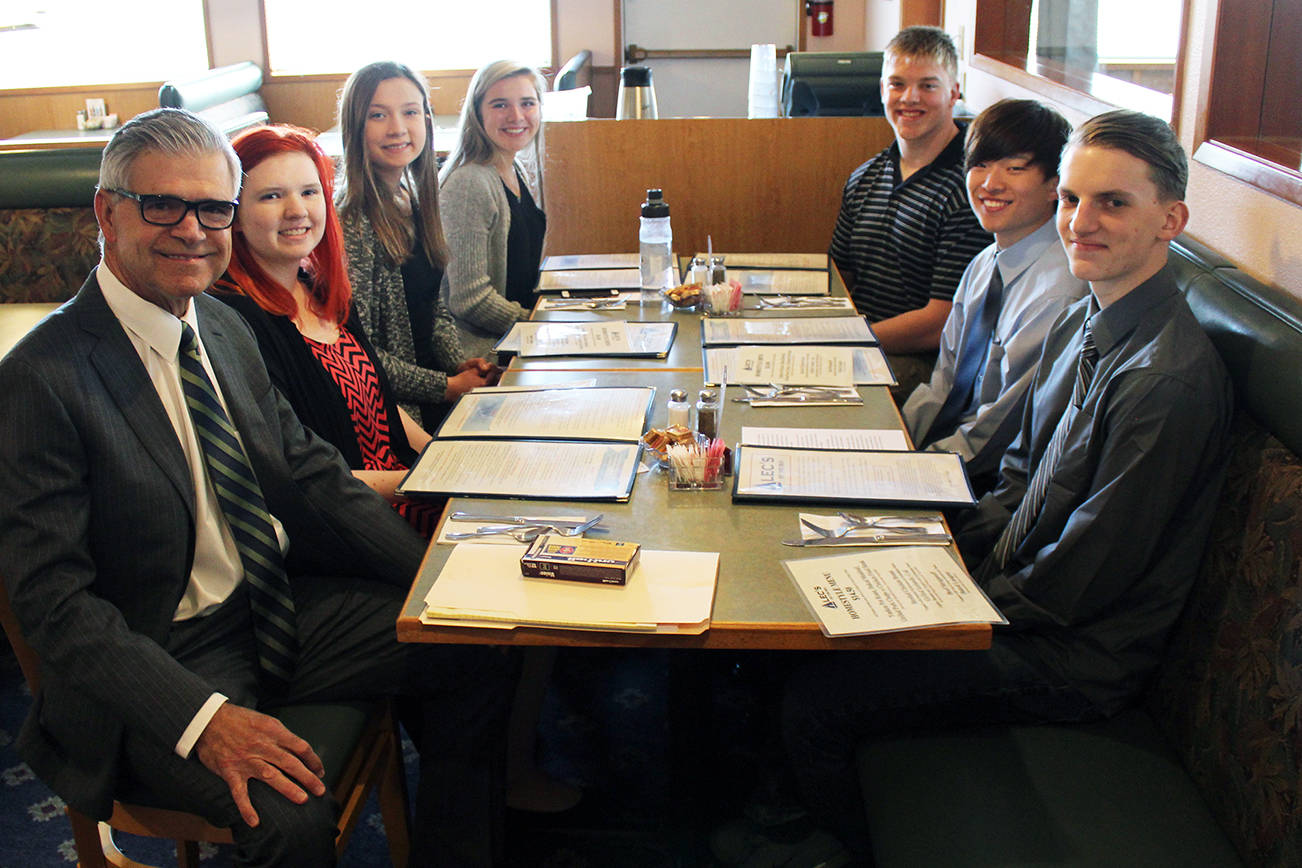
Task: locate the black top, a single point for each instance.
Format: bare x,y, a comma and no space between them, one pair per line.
523,244
420,281
308,387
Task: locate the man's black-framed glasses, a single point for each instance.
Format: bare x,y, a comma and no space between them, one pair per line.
171,210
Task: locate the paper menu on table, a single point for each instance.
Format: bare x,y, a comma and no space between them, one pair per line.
590,278
802,365
826,438
670,589
603,338
780,282
805,330
598,413
542,469
882,477
880,590
795,261
590,261
870,365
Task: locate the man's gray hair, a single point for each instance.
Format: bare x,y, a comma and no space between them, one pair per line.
169,131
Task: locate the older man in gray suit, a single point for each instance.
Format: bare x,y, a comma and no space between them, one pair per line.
180,551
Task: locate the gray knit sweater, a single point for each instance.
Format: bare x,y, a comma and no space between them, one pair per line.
476,221
381,303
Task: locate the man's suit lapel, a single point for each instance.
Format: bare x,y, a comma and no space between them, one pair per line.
240,403
125,380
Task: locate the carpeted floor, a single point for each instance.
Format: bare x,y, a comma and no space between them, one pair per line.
664,744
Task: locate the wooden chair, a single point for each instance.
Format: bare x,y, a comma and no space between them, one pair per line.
357,741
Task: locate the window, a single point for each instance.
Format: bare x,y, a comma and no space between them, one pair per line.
1254,128
99,42
1114,52
333,36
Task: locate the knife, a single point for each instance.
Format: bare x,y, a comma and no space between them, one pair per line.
517,519
876,539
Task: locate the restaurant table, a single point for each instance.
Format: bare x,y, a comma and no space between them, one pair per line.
756,606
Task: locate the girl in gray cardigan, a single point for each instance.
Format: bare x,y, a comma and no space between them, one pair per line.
493,227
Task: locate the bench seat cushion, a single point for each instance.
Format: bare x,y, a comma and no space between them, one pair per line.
46,253
1111,793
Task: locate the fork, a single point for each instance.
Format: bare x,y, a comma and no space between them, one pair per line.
527,533
840,532
524,534
858,520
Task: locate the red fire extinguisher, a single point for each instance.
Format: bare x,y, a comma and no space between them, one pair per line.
821,13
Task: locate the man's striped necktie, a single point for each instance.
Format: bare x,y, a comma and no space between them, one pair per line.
1032,501
241,502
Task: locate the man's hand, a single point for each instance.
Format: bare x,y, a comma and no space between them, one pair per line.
240,744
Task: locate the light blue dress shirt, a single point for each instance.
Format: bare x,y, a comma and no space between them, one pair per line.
1037,287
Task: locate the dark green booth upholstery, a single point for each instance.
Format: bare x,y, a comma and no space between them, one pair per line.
227,96
47,228
1208,772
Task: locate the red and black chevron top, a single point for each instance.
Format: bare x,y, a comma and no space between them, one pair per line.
354,373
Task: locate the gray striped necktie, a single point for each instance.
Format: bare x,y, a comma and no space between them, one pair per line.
1033,499
270,601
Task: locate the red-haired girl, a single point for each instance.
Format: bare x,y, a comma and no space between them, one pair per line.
288,278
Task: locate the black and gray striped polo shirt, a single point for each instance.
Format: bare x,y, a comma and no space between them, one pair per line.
906,243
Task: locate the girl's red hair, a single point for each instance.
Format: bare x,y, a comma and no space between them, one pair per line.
330,290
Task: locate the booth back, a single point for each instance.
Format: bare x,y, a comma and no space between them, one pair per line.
764,184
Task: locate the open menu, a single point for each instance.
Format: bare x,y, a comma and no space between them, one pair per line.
536,469
597,413
791,365
826,438
589,261
776,281
885,478
880,590
791,261
806,330
590,279
608,338
567,444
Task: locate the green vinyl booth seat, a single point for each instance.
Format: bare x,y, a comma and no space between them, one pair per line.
1207,771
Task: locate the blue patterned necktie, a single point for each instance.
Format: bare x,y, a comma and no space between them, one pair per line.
970,356
240,497
1033,499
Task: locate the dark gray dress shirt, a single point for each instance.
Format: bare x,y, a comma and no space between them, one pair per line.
1105,568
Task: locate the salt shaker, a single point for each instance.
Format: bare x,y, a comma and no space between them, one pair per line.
679,409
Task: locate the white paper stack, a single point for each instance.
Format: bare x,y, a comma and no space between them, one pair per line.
481,585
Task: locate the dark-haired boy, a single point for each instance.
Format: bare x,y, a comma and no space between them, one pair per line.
905,232
1008,297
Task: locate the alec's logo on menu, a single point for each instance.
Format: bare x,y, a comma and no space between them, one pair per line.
846,596
824,599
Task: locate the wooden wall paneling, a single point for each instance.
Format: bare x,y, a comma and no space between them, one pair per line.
931,12
1238,75
605,91
304,101
22,111
1279,103
1002,28
763,184
310,101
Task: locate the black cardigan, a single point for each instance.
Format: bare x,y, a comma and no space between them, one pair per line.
309,388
